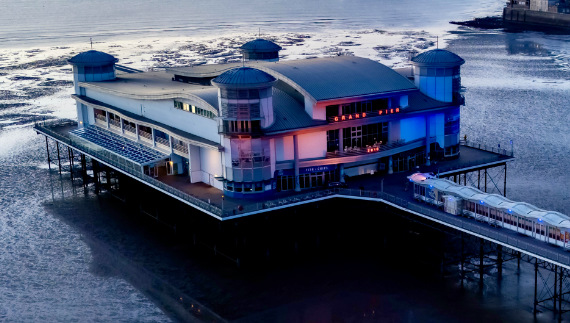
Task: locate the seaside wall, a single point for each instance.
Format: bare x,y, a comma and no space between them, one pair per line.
536,18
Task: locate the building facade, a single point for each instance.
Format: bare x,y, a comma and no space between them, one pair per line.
266,126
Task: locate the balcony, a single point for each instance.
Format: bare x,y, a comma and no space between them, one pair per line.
227,130
377,150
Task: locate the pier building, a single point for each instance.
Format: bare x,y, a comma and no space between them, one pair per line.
235,140
271,126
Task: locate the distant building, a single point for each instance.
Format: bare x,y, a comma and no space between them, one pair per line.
272,125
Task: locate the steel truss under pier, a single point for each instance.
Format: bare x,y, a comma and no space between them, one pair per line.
78,165
551,281
486,178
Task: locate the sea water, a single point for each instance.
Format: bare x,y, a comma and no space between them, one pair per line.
516,90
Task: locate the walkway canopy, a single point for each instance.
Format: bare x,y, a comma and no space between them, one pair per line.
492,200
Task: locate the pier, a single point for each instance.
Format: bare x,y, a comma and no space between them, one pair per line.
479,166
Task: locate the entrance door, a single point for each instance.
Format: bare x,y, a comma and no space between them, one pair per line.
169,168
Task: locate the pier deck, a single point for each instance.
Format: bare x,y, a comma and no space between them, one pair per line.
390,189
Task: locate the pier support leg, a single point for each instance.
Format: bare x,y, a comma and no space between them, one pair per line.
505,182
479,179
108,177
535,284
462,256
70,163
500,260
47,150
555,286
84,170
481,258
518,260
560,293
58,158
96,176
390,165
485,180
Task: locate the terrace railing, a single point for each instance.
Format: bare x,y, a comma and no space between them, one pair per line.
485,147
118,162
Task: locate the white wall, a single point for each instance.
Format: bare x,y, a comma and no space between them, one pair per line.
412,128
162,111
284,148
211,161
195,164
313,145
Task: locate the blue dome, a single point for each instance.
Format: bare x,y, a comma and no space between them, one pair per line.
92,58
260,45
438,57
244,77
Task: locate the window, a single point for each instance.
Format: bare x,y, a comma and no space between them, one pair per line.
332,140
194,109
239,94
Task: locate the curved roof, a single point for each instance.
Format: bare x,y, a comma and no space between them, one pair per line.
493,200
338,77
260,45
92,58
438,57
244,77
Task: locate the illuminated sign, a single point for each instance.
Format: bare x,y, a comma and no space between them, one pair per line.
353,116
372,149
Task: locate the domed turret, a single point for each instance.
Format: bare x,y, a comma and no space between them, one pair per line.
437,74
246,106
245,95
260,50
93,66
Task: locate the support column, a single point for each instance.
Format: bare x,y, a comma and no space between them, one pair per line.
535,283
479,179
555,286
428,141
500,259
47,149
341,172
481,258
296,158
84,170
96,175
340,140
137,132
153,141
505,182
560,293
390,165
58,158
70,162
485,180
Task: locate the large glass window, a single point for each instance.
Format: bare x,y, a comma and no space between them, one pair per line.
332,140
357,107
365,135
239,94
